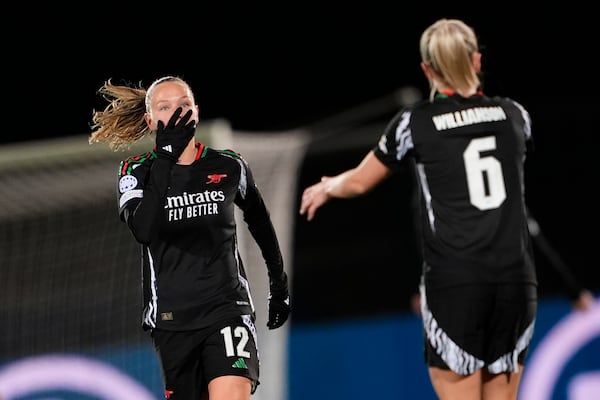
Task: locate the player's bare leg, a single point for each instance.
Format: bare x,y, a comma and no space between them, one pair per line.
501,386
230,388
449,385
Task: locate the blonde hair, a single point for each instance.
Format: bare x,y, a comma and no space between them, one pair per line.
123,121
447,46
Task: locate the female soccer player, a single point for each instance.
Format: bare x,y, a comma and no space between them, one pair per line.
478,287
178,200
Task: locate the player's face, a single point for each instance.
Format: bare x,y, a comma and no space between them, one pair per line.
167,97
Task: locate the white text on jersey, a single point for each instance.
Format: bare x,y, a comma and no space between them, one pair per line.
469,116
188,199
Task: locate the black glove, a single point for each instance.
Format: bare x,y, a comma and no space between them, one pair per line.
173,138
279,301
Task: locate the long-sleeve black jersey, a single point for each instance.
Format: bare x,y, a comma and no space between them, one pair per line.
469,156
183,216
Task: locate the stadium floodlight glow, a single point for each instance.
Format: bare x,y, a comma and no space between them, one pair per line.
559,345
70,373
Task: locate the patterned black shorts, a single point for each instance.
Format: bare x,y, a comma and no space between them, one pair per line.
478,326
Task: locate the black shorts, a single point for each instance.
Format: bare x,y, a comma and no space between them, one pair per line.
191,359
478,326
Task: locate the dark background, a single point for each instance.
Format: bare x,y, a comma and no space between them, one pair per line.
267,67
279,67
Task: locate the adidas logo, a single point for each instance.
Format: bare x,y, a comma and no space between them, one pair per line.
240,363
168,148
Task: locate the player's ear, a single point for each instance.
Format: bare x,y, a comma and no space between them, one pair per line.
476,58
150,121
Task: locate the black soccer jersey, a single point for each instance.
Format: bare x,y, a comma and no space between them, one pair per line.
469,155
193,275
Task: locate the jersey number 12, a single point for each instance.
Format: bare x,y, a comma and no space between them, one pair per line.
238,350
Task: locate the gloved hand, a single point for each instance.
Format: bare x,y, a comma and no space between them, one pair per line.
173,138
279,301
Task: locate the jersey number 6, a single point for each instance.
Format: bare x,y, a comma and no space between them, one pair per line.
484,174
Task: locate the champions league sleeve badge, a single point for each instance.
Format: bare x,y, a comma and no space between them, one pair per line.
127,182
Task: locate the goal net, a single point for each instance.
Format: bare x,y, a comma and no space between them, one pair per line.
70,270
